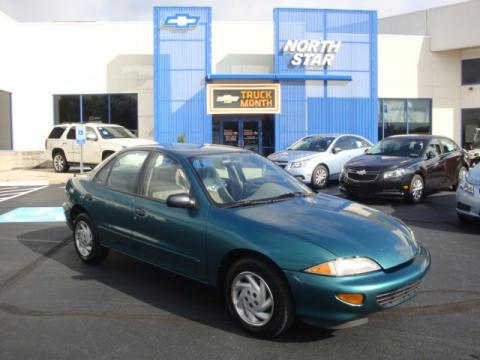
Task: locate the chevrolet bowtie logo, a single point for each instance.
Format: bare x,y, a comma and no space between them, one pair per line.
182,21
227,99
362,172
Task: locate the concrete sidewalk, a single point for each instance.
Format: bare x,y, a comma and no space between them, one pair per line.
36,175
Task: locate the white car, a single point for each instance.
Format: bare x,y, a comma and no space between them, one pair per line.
316,159
102,140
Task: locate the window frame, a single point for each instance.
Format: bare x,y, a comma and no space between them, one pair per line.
381,119
148,166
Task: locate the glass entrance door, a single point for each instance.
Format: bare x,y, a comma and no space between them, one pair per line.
241,133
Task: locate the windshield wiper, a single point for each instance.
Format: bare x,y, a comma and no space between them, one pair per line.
269,200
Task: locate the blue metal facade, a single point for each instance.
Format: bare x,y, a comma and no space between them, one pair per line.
339,99
181,63
310,107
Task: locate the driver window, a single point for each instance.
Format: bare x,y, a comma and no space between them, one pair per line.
164,178
90,134
343,143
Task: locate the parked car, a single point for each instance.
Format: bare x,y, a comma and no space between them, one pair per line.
408,166
474,151
230,218
468,196
316,159
102,140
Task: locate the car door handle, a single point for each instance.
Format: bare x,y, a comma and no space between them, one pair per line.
88,197
140,212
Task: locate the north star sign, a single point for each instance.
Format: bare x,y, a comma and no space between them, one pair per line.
319,53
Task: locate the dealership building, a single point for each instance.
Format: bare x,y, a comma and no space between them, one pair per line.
258,85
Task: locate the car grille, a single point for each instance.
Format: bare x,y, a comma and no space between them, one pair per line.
361,174
463,206
397,296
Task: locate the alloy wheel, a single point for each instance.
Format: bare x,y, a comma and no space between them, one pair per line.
83,238
58,163
416,188
320,176
252,299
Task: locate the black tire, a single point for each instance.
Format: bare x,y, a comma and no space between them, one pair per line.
98,253
320,176
107,154
459,174
416,193
282,311
464,219
60,163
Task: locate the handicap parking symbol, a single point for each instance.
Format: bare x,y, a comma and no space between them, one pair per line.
33,215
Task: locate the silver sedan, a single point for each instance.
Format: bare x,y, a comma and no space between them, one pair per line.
468,195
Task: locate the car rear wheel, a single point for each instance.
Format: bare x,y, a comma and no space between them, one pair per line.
86,241
60,163
417,187
320,177
259,298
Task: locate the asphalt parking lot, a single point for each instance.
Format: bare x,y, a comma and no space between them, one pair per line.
52,306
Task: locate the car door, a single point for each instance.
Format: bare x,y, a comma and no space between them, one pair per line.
173,238
452,159
359,146
70,146
341,153
435,166
109,199
91,150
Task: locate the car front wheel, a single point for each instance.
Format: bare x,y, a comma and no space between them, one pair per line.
87,243
259,298
417,187
320,177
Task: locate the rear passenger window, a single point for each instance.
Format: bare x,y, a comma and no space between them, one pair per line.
102,175
71,134
166,177
448,146
344,143
126,168
57,132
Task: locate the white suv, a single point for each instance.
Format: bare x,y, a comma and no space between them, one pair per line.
102,140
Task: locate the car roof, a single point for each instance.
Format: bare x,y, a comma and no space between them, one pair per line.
189,150
417,136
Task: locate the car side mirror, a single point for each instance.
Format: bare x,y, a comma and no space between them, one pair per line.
366,149
184,201
336,150
92,137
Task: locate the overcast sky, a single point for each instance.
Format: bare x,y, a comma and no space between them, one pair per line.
69,10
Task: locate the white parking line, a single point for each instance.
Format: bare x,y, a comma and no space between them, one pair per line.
21,192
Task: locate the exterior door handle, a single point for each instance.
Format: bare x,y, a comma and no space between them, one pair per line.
140,212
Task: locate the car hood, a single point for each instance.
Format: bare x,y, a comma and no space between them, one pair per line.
473,175
294,155
342,227
130,142
371,162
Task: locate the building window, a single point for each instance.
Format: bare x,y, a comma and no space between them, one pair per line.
471,128
471,72
121,109
404,116
6,142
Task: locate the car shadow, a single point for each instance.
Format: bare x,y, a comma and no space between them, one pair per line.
158,288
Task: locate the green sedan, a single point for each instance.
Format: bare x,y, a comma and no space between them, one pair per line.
232,219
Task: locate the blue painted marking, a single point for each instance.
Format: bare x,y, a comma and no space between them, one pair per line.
33,215
181,21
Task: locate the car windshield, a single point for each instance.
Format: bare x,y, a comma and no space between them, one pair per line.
403,147
312,143
242,179
114,132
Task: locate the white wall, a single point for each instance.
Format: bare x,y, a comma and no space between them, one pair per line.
408,69
74,58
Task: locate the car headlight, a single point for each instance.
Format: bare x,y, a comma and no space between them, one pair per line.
394,173
298,164
467,187
345,266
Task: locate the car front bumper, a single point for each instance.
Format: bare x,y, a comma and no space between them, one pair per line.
316,301
468,204
380,187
